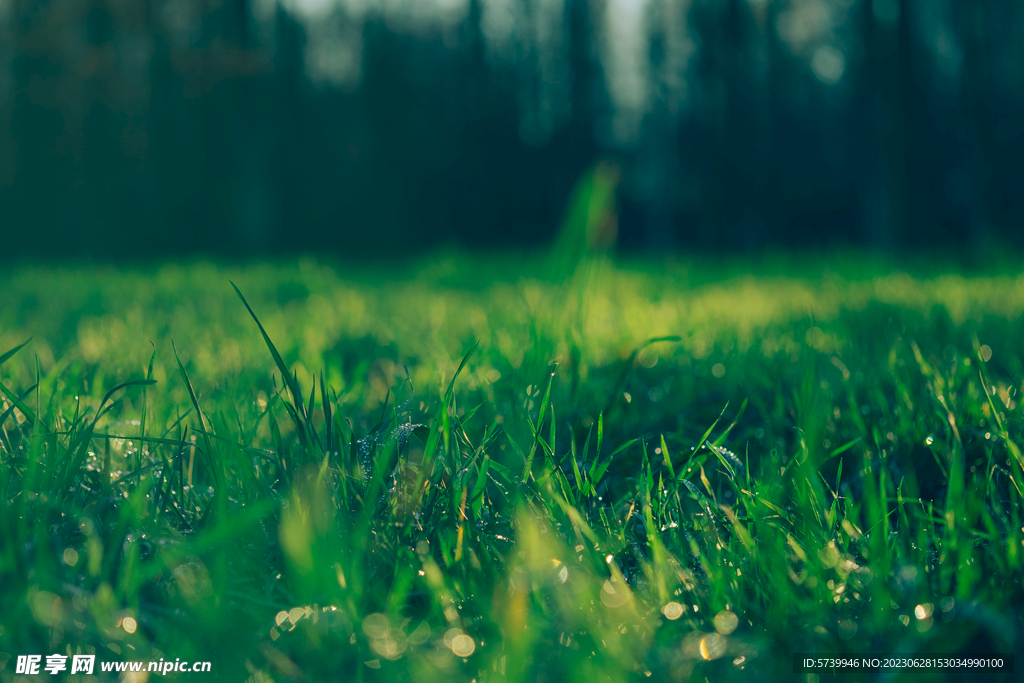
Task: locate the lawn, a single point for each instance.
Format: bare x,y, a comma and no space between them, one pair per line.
479,469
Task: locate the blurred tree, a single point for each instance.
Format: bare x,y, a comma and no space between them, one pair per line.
247,127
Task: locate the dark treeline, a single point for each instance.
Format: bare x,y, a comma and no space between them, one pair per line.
136,128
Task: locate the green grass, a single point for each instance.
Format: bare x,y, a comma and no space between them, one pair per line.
464,469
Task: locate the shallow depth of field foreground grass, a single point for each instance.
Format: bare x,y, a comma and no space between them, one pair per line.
468,471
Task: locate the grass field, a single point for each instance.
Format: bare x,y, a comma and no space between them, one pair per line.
466,469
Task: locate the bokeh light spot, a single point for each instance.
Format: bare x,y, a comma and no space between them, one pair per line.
726,622
672,611
463,645
376,625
